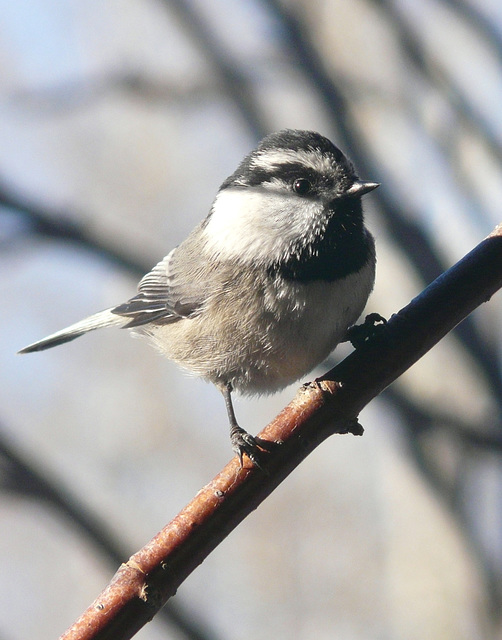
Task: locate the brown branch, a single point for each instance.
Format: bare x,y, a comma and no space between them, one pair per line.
330,405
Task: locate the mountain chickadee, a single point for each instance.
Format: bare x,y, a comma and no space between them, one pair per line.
265,287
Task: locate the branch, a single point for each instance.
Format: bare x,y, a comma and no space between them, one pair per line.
330,405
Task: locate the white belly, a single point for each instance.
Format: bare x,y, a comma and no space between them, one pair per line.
308,334
269,334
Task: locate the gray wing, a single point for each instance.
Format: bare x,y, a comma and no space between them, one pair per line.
170,291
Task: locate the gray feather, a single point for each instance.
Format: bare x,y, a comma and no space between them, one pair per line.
97,321
175,288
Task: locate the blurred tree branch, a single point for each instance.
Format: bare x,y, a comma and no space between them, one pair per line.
330,405
486,29
26,477
80,93
232,79
407,232
431,69
468,444
59,225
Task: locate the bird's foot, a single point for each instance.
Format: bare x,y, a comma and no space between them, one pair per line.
244,443
359,334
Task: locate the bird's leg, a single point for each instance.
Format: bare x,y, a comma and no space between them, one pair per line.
242,441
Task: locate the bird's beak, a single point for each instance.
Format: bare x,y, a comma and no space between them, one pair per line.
359,188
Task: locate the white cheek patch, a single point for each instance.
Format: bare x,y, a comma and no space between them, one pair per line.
257,224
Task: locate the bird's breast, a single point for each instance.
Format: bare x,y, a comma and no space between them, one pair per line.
309,321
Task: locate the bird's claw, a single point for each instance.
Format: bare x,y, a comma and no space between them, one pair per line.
359,334
244,442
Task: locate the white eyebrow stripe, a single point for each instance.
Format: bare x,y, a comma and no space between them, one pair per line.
272,158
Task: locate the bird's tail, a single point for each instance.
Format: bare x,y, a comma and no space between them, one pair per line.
97,321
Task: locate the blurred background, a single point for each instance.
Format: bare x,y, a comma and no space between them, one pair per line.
119,121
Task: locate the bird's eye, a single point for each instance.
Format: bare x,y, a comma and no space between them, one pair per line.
301,186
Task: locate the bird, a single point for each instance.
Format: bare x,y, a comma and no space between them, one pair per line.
269,282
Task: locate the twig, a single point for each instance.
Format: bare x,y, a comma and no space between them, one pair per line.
330,405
